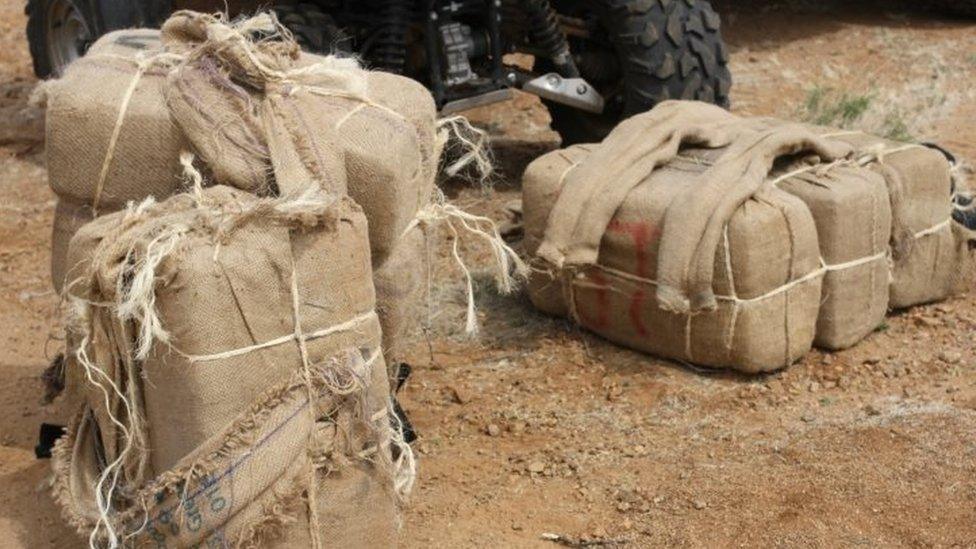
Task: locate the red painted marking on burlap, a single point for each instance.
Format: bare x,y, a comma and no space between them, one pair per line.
642,234
602,318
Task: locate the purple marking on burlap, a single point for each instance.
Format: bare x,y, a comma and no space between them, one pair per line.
233,466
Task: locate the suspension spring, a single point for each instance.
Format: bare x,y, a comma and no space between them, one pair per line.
547,36
390,49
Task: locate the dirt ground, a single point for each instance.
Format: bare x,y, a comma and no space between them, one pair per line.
536,428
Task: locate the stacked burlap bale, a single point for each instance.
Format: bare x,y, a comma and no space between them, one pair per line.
261,116
767,271
853,216
236,388
317,111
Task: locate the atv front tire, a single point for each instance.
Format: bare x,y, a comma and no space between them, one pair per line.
664,49
58,32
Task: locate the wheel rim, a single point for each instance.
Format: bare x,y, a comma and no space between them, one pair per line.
67,34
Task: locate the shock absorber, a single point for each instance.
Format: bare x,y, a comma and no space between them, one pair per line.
546,35
390,50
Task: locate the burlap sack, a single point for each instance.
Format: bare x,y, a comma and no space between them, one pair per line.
109,137
936,259
767,276
372,135
853,217
218,317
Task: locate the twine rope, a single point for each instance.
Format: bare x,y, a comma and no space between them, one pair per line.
143,63
299,337
349,325
509,267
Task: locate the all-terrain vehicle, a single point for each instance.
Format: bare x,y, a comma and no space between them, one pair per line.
593,62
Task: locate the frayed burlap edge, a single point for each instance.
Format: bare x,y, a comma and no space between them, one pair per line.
238,436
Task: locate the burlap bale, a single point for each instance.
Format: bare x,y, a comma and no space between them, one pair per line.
231,452
767,279
853,217
937,259
852,213
85,106
382,148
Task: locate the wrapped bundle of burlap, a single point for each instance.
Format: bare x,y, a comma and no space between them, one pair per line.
235,389
930,255
767,280
853,217
852,213
401,293
109,137
263,116
868,210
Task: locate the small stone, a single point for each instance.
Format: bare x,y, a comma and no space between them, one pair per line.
537,467
813,387
874,359
517,527
827,359
623,506
458,395
808,417
950,357
699,504
493,430
926,322
871,410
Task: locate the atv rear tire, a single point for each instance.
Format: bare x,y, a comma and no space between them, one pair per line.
665,49
314,29
58,32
